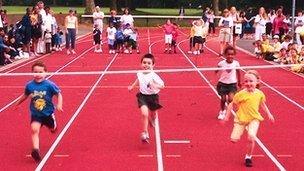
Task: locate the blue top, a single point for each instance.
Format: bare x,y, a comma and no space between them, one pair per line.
41,97
119,35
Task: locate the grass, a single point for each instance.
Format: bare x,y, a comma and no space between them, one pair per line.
80,10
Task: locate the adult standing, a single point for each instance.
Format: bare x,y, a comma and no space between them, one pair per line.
236,24
36,21
98,18
260,23
113,19
278,24
71,25
41,44
27,30
127,18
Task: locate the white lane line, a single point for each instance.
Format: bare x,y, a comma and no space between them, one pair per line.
277,163
269,86
14,101
67,126
176,141
160,165
284,155
145,155
173,155
61,155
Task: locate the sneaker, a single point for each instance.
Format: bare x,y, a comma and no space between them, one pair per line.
189,51
137,52
144,137
126,51
95,51
68,52
221,115
73,51
36,156
248,162
131,52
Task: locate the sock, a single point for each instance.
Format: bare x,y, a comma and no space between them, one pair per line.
248,156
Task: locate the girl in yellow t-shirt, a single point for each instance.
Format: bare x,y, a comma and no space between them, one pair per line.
248,102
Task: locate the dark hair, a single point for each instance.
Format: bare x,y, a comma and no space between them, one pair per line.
40,64
228,48
148,55
124,11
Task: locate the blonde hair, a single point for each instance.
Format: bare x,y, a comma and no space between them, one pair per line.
257,75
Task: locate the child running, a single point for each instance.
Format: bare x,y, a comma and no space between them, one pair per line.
42,108
229,79
248,102
148,100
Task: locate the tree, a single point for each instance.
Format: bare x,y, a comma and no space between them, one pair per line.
1,3
215,4
90,5
113,5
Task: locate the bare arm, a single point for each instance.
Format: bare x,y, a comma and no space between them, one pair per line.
265,108
238,75
22,99
60,102
131,87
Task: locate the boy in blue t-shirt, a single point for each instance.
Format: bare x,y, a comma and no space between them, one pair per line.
41,92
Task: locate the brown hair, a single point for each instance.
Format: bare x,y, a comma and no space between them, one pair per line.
40,64
148,55
228,48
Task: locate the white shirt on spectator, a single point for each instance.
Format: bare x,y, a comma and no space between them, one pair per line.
228,76
98,17
127,19
146,79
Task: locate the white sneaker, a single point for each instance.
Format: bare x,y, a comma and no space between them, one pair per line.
194,52
221,115
73,51
126,51
189,51
144,137
68,52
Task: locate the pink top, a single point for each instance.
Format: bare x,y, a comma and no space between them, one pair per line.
168,28
278,23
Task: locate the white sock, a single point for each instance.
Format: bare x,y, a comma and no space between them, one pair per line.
247,156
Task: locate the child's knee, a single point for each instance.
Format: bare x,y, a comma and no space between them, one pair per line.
233,140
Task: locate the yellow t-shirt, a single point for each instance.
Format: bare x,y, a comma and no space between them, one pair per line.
248,104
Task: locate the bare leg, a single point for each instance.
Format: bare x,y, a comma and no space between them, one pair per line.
145,120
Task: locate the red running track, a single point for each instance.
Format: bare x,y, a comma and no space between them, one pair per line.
105,134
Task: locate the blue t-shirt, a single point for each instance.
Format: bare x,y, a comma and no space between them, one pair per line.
41,97
119,35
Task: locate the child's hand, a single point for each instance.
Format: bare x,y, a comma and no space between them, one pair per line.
59,107
271,118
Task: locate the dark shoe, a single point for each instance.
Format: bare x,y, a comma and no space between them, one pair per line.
36,156
248,163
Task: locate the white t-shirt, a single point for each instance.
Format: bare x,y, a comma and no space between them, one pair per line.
260,20
127,19
127,31
98,16
226,22
144,81
48,21
299,21
111,33
228,76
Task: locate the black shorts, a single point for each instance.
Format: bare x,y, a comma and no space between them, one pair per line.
151,101
132,43
173,43
191,42
225,89
48,121
97,41
198,39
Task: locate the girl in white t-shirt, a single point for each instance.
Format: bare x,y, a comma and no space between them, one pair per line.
148,100
229,79
111,31
127,18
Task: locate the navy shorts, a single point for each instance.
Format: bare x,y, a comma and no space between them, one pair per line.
225,89
48,121
151,101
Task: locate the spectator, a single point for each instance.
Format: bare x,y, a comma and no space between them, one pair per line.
26,30
127,18
71,25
